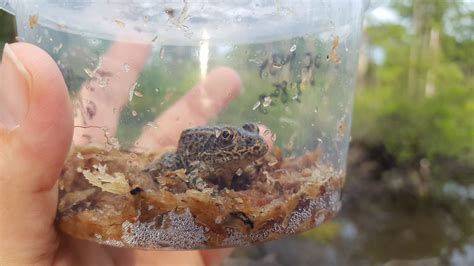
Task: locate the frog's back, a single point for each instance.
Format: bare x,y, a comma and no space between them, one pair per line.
193,142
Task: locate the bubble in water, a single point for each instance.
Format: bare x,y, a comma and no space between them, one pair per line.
267,101
293,48
274,137
126,67
134,113
103,82
114,142
157,90
315,110
256,105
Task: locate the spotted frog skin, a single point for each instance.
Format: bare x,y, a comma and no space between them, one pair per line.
214,152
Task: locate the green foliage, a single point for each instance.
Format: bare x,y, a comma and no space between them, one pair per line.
398,110
449,125
325,233
438,128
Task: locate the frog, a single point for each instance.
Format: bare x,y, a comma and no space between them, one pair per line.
210,153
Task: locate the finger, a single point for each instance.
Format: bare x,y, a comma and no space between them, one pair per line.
168,258
102,98
35,133
196,108
215,257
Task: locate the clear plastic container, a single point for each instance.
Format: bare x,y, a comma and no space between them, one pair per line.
200,124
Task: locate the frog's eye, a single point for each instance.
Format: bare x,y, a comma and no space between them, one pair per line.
251,127
227,135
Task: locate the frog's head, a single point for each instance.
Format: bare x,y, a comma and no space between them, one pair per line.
245,141
224,148
236,147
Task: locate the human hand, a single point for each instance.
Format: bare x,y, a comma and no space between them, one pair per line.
36,129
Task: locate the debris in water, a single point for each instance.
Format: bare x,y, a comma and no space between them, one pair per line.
162,53
119,23
333,56
267,101
274,137
152,125
33,21
57,48
89,72
131,91
239,172
256,105
293,48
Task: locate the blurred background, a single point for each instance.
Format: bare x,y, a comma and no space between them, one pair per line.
409,196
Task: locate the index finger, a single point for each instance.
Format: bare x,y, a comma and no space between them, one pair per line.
102,98
196,108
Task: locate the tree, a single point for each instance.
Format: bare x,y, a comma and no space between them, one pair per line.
419,102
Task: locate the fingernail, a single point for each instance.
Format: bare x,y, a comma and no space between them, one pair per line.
15,83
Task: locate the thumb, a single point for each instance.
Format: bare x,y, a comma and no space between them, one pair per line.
36,127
